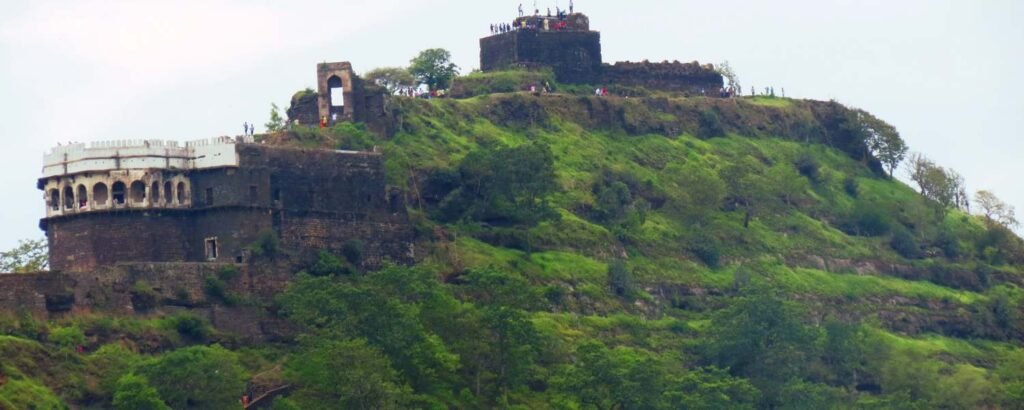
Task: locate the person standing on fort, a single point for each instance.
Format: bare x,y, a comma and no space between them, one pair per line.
245,128
323,121
570,6
520,9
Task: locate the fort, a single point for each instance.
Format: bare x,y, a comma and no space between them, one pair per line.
171,215
572,50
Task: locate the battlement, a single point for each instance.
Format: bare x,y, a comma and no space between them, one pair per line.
141,154
572,50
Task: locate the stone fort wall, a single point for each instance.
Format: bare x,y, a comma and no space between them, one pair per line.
167,287
309,199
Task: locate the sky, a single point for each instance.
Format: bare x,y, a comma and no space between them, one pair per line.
88,70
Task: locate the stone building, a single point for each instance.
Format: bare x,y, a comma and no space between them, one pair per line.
573,51
210,200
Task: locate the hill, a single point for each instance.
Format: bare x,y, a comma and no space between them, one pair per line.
598,252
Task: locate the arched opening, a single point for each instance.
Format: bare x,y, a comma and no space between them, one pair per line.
99,194
168,193
138,192
181,193
69,198
336,91
117,192
83,197
54,200
154,192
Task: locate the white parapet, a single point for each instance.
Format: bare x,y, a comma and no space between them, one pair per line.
103,156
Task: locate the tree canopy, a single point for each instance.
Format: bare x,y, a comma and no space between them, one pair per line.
434,68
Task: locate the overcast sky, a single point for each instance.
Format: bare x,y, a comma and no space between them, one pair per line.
87,70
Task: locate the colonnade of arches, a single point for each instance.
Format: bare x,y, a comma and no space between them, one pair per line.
108,193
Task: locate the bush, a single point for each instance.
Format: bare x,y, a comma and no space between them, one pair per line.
620,279
143,296
66,336
808,166
353,251
851,186
329,265
267,245
190,327
904,243
197,377
135,393
710,125
707,249
869,220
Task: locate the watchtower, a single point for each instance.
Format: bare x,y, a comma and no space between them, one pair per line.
335,91
565,44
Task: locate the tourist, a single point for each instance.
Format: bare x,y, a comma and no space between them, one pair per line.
323,121
549,11
245,128
570,6
520,9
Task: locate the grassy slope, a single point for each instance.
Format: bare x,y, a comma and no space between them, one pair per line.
675,294
574,252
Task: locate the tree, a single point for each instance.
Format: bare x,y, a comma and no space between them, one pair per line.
346,374
944,186
748,188
434,68
135,393
30,255
198,377
503,186
994,209
726,71
395,79
883,140
276,123
762,337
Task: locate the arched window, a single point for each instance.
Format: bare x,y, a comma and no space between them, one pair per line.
83,197
69,198
168,193
336,91
138,192
181,193
100,194
54,199
117,191
154,192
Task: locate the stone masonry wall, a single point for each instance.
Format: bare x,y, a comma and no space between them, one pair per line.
691,78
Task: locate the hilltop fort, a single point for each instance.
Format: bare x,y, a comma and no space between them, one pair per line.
171,214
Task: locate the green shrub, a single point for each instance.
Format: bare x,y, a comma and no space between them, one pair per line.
904,243
710,125
267,245
191,327
869,220
353,251
808,166
68,336
707,249
228,273
135,393
143,296
851,186
329,265
620,279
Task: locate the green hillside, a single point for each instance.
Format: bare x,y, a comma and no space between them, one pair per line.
578,252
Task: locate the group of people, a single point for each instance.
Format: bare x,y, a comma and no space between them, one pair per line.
601,92
559,12
501,28
248,129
